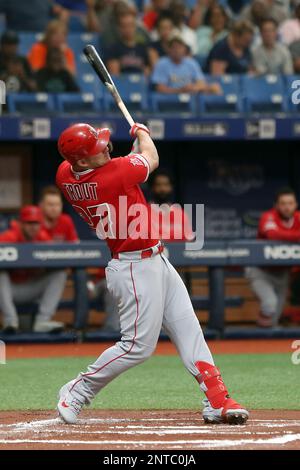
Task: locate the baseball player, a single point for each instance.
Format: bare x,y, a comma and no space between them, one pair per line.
33,284
149,291
270,283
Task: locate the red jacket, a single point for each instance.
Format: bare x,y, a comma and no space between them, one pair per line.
273,227
15,235
63,231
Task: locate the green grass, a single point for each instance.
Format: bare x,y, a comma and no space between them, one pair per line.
265,381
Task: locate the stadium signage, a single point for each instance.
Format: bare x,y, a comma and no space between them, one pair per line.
261,129
8,253
296,128
205,129
39,128
282,252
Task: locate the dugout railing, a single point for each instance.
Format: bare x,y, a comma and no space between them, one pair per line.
216,256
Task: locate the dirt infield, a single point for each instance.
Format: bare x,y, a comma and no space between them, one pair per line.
150,430
15,351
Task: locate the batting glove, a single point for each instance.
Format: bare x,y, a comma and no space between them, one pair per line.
138,127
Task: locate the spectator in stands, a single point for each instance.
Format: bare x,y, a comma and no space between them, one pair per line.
180,15
290,28
270,285
103,17
165,28
30,285
178,73
259,10
234,7
74,13
54,77
58,226
14,69
271,57
16,78
216,30
55,37
127,55
232,55
198,16
295,53
171,223
72,6
153,11
32,16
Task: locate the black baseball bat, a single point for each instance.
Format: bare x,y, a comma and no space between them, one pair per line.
96,62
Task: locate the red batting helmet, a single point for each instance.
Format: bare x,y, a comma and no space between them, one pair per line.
82,141
31,214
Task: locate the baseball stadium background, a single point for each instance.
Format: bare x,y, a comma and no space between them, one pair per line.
230,152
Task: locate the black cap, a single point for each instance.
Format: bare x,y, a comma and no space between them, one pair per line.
9,37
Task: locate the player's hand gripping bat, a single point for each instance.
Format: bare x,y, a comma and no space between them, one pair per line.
102,72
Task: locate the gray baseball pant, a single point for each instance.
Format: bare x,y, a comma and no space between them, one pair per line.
270,287
150,295
46,289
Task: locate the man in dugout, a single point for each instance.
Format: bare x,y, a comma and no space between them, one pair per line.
270,284
172,223
39,285
59,226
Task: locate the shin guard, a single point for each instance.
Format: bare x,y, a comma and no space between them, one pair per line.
211,383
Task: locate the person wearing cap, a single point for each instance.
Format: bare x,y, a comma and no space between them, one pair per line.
127,54
29,285
179,73
15,70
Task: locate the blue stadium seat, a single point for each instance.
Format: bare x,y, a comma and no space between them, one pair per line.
201,59
31,103
229,101
76,24
264,94
89,83
164,103
140,4
133,89
292,84
191,3
27,40
82,64
77,41
77,102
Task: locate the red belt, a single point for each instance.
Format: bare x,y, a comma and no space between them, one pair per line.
143,253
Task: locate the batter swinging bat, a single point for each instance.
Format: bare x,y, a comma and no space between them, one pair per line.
102,72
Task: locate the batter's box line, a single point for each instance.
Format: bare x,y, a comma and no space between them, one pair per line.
212,443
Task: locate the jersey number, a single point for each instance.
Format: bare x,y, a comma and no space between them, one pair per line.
104,227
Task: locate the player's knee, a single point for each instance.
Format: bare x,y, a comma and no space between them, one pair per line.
139,351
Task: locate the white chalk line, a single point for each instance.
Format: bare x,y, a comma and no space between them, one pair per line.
86,422
51,426
208,443
136,432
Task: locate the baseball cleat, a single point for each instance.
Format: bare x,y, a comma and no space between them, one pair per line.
68,406
231,413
